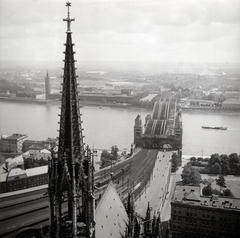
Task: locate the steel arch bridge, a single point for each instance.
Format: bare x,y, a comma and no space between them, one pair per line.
163,129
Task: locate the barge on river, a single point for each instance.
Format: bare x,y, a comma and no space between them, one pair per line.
215,128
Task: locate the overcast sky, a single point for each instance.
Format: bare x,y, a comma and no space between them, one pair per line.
122,30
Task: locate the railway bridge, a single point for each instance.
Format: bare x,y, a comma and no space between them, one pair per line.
162,129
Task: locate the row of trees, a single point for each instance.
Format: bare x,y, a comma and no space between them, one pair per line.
16,88
176,162
191,176
108,158
223,164
26,95
220,181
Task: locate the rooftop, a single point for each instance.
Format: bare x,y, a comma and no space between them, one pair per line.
16,136
191,195
18,160
111,216
16,172
37,171
232,101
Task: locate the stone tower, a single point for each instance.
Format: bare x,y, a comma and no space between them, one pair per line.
47,86
138,131
71,172
178,130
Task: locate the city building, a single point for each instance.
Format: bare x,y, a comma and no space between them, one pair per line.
232,95
28,170
231,104
12,144
17,179
196,216
34,144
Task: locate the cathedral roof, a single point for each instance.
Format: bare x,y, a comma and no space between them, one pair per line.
111,217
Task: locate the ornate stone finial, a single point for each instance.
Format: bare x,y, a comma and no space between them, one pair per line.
68,19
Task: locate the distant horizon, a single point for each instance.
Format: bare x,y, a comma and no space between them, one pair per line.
122,31
134,61
141,67
190,63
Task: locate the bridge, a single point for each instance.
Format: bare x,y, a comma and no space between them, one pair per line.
162,130
32,209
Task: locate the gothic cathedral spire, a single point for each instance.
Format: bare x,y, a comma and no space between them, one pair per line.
71,183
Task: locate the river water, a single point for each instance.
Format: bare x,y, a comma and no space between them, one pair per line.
104,127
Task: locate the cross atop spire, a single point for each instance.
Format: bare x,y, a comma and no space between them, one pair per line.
68,19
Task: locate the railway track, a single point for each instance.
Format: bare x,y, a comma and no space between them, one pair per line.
33,208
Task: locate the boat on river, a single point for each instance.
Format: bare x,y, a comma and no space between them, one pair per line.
215,128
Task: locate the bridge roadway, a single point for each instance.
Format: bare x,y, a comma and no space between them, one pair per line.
156,190
31,209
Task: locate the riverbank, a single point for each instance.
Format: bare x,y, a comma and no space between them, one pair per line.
28,100
209,109
111,105
82,103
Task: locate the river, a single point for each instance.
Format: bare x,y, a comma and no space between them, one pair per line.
104,127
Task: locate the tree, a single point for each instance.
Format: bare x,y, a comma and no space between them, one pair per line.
175,162
208,181
216,192
227,193
195,177
221,182
186,173
190,175
207,190
234,162
193,159
213,160
215,169
114,151
199,159
224,162
105,159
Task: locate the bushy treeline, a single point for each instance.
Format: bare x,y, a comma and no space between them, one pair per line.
190,176
222,164
108,158
21,90
26,95
221,182
176,162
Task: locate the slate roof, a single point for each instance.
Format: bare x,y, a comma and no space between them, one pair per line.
45,151
191,195
18,160
37,171
110,215
16,172
16,136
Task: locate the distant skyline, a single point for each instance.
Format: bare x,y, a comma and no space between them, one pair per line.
122,30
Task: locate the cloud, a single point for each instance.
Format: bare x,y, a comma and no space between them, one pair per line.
226,12
118,29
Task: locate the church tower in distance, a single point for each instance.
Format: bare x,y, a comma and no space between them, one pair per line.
47,86
71,172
